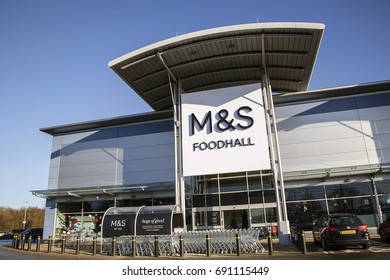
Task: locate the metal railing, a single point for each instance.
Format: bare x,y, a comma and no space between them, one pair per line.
221,242
192,242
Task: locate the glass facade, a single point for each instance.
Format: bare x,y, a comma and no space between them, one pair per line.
242,200
86,216
305,204
234,200
248,200
383,191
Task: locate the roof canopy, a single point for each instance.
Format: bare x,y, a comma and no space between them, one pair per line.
223,57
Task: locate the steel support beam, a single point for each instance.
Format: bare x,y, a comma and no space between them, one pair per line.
273,142
176,90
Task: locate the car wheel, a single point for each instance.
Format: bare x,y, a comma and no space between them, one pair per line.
325,244
367,245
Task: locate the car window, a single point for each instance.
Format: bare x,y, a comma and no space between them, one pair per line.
346,221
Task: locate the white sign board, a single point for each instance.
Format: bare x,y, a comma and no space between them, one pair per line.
224,131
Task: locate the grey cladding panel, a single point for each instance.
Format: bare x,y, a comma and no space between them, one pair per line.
85,170
91,156
337,133
119,155
87,181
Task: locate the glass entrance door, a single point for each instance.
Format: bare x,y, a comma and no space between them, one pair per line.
236,219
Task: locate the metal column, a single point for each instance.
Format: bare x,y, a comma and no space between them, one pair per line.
273,142
378,206
180,184
176,90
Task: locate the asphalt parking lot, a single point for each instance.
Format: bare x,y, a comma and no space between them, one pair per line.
379,250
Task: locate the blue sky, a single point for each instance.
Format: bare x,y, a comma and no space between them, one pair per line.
54,56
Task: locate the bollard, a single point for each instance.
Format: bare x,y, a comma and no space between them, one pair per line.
156,248
78,245
181,240
299,240
22,240
16,242
94,245
238,244
133,246
304,250
29,243
49,244
270,245
113,246
63,244
293,235
38,247
208,245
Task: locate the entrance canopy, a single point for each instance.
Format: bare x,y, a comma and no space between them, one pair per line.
142,220
223,57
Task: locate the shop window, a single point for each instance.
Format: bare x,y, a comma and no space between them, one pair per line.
256,197
97,205
383,187
266,182
305,193
199,200
258,216
129,202
199,185
383,190
348,190
233,184
236,198
236,219
211,185
213,218
212,200
200,219
270,214
358,206
254,182
269,196
69,207
303,214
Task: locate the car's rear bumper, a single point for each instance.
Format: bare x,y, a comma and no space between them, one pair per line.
348,242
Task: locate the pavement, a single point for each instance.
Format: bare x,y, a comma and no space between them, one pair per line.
279,252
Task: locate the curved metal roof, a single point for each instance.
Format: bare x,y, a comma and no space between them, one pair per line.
223,57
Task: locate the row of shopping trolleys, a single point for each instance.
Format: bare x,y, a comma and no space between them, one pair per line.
193,242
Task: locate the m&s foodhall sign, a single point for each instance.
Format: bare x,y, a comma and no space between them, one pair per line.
224,131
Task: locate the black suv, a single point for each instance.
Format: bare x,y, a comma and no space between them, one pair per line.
341,230
33,232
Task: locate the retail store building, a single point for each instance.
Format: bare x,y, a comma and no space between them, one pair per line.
236,140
